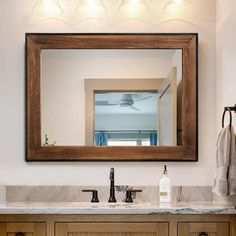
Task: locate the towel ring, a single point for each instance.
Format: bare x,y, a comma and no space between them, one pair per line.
230,117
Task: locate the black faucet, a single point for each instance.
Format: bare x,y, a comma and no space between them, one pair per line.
112,197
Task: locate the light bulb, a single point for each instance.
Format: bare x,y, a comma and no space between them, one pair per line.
178,1
90,9
179,8
134,8
50,8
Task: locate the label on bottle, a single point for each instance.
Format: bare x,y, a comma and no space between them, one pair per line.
164,193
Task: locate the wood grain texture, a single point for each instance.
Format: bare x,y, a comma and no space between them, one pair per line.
37,42
28,229
111,229
211,229
119,225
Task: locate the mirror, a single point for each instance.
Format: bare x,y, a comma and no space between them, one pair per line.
125,118
90,96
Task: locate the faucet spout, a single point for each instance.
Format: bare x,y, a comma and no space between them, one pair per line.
112,197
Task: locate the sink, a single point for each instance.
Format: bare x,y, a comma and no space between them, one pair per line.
89,205
119,205
100,205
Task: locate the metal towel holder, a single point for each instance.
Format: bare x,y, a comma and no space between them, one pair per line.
229,109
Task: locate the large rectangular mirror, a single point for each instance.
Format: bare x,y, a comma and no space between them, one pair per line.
111,97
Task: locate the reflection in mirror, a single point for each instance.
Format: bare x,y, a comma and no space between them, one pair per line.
91,97
126,119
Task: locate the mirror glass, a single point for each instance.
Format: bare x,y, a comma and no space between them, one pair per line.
112,97
126,119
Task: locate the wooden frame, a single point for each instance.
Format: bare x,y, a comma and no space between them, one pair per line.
37,42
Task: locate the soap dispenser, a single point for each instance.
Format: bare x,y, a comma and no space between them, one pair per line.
165,187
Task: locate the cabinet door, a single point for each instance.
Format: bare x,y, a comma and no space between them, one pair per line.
203,229
111,229
22,229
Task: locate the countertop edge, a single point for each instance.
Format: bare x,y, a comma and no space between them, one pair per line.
117,211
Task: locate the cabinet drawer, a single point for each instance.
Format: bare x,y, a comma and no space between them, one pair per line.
203,229
111,229
22,229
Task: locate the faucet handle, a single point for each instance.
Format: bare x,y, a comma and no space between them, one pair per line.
94,194
129,194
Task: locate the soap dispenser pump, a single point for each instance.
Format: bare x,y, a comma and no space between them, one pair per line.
165,187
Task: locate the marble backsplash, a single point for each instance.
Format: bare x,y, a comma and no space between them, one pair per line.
75,194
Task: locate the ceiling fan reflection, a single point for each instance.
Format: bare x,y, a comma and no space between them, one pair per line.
126,100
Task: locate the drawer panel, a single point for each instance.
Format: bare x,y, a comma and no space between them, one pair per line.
111,229
203,229
22,229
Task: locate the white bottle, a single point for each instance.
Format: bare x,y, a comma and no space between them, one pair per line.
165,188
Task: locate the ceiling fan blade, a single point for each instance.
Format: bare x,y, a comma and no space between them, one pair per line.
126,100
107,103
141,99
134,108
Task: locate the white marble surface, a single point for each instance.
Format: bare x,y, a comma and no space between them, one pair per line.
75,194
2,194
115,208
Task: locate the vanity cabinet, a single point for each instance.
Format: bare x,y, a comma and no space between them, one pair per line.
111,229
204,229
117,225
22,229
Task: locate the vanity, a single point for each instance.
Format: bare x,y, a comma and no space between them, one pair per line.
82,219
43,211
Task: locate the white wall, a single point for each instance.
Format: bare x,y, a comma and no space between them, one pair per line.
126,122
177,62
15,21
226,58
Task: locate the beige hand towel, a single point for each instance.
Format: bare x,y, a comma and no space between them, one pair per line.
225,178
232,165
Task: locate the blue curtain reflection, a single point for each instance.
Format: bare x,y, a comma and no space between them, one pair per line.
101,138
153,138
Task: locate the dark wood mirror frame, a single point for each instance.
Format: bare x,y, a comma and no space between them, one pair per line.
37,42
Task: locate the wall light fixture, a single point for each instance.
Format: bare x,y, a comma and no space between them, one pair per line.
90,9
50,8
179,7
134,8
179,1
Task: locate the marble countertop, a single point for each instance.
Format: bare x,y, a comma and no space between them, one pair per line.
149,208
